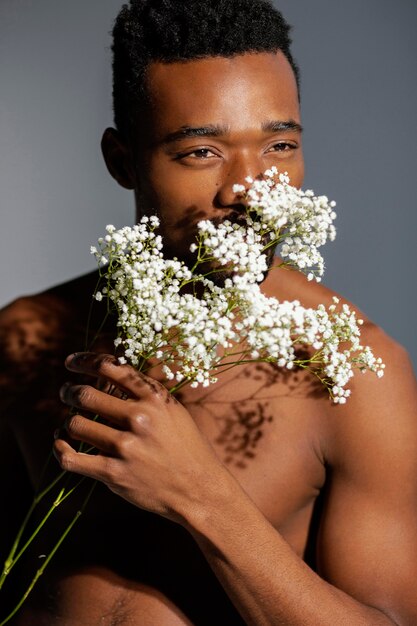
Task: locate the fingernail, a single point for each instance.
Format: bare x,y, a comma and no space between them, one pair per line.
76,357
56,433
63,390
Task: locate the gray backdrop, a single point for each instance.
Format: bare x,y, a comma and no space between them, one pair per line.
359,98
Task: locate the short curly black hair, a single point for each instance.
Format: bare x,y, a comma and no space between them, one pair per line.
180,30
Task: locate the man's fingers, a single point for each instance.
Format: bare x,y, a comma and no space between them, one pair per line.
91,465
106,366
102,437
97,402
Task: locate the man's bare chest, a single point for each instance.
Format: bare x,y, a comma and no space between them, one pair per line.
269,438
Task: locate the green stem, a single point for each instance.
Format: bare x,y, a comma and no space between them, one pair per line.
62,496
41,570
10,558
179,386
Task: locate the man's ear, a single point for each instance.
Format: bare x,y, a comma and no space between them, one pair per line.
118,158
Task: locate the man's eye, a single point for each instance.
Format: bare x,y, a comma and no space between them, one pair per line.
282,146
201,153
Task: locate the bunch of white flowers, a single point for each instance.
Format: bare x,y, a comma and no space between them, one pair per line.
194,327
297,219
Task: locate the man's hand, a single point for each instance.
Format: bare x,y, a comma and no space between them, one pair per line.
150,452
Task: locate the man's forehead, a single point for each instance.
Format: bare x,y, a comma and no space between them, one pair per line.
245,90
211,71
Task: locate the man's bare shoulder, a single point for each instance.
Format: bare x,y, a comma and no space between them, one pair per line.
382,407
36,329
379,420
288,284
378,424
28,322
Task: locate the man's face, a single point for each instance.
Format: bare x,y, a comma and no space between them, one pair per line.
210,124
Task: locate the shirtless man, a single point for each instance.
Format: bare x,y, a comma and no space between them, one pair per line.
255,501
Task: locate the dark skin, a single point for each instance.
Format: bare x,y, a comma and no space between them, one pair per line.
236,469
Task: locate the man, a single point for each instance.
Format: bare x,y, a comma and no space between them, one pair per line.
256,500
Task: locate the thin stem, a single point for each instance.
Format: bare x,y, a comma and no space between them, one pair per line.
179,386
47,489
62,496
10,560
8,564
43,472
100,328
41,570
90,312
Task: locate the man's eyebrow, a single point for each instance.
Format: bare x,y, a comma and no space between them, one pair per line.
276,126
212,130
218,130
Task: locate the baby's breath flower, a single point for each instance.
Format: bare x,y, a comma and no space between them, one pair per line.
157,317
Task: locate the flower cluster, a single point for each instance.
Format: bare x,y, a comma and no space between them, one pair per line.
228,244
195,327
155,317
297,219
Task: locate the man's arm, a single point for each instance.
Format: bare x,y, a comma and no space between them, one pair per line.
367,545
368,538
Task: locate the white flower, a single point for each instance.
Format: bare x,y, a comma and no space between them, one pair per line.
184,328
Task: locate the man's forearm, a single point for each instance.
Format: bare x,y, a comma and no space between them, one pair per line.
268,583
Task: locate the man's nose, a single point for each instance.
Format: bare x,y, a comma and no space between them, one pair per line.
237,173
